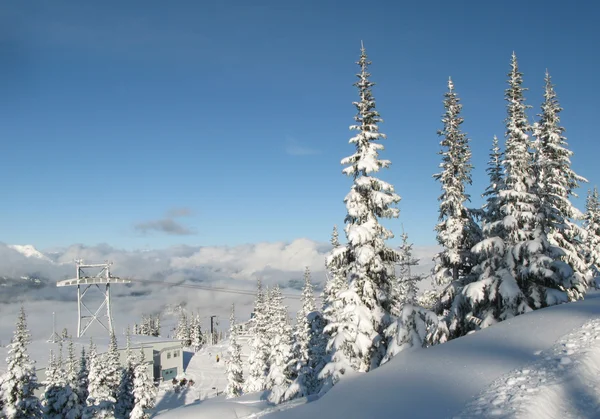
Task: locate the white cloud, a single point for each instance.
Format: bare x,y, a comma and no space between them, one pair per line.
294,148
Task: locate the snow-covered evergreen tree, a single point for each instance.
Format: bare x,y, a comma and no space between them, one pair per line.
182,332
405,287
281,358
55,386
556,184
235,375
258,366
518,271
357,337
74,407
112,366
156,325
83,378
197,337
59,399
336,278
412,324
591,244
491,212
309,345
457,231
19,382
100,400
144,392
125,399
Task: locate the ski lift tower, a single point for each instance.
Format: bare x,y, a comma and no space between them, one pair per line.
87,277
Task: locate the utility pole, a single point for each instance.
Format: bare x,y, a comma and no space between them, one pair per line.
212,330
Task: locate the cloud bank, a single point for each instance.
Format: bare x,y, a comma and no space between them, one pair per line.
236,267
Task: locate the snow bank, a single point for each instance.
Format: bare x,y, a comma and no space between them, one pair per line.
438,382
456,378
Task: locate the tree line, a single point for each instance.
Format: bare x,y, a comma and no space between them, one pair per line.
526,248
91,386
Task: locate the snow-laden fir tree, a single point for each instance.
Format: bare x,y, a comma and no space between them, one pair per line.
490,215
100,400
235,375
590,247
59,400
517,271
19,381
182,332
144,392
457,231
308,348
335,284
491,212
125,399
196,335
336,278
75,406
83,379
357,337
556,184
258,366
112,368
412,325
55,386
405,288
281,357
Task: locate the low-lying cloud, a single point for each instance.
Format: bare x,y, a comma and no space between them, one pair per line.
152,271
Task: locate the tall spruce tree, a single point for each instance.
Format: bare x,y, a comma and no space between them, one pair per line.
100,400
457,231
336,279
125,399
83,379
357,338
235,374
182,331
491,212
412,325
196,335
281,358
556,184
258,366
144,392
55,386
19,382
307,347
591,243
517,272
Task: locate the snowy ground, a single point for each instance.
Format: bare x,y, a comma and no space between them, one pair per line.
544,364
209,377
563,383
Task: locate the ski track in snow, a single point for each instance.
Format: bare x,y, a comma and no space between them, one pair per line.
563,384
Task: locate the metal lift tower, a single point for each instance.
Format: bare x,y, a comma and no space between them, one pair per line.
87,279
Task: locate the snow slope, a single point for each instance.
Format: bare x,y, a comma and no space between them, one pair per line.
563,383
464,376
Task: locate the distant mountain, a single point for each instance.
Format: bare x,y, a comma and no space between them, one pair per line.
29,251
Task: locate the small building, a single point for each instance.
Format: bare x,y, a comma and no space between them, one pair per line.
163,357
167,359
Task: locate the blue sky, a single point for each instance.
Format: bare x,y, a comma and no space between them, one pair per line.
149,124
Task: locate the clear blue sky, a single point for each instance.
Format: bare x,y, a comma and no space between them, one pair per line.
122,122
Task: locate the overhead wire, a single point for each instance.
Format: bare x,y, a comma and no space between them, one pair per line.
206,288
